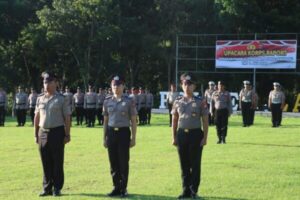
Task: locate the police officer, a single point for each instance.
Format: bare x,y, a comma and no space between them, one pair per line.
100,100
142,106
207,94
247,103
171,96
189,135
221,101
135,97
254,105
276,104
52,131
119,113
32,102
3,106
21,106
69,96
90,101
78,100
149,105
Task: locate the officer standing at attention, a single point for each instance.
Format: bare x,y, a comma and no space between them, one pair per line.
32,102
208,93
78,100
221,101
171,96
3,106
21,106
69,96
100,100
142,106
52,131
119,114
247,103
90,101
189,135
276,104
149,105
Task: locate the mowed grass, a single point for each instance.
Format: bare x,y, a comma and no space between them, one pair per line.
258,162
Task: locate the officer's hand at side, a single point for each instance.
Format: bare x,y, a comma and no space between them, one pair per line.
203,141
67,139
37,140
132,142
105,143
174,142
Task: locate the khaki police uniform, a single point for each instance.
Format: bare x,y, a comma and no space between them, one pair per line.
100,101
171,96
69,96
142,108
221,101
3,106
149,105
32,102
21,106
208,94
276,104
90,101
119,113
52,114
189,136
247,101
78,100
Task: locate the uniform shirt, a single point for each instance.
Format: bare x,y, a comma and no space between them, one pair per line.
247,95
135,98
221,100
90,100
100,100
53,110
208,93
32,100
3,99
171,96
142,100
21,101
189,111
78,99
149,100
120,111
276,97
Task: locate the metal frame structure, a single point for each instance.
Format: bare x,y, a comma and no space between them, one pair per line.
199,49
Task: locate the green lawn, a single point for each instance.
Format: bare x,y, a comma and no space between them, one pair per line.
258,162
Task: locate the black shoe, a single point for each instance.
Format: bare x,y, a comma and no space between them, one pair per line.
123,194
219,142
114,192
45,193
194,196
224,141
56,193
244,125
186,194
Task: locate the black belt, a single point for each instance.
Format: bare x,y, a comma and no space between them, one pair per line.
20,103
187,130
117,129
91,103
32,105
51,129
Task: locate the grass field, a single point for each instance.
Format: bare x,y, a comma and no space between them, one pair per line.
258,162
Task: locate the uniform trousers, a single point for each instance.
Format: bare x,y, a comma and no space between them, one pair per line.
21,116
2,115
211,120
276,114
170,105
148,115
99,115
90,114
190,153
252,116
118,141
79,114
246,113
142,115
51,147
221,121
32,109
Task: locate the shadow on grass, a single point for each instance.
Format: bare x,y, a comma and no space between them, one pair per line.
146,196
274,145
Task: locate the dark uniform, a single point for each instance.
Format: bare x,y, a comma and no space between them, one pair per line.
142,98
149,105
90,101
118,114
276,104
3,106
78,100
32,102
247,104
100,100
21,106
52,128
207,94
221,101
171,96
187,113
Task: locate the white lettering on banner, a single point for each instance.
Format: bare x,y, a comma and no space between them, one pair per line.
234,99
